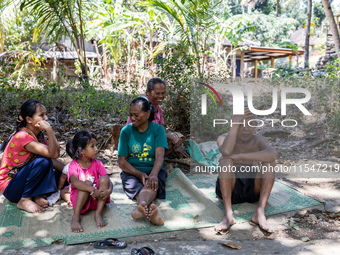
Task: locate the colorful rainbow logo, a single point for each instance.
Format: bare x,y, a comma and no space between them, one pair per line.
213,90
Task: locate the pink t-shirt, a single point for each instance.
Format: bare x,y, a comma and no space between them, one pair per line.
93,173
14,154
158,117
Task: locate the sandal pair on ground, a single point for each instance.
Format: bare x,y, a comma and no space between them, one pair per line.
143,251
110,243
113,243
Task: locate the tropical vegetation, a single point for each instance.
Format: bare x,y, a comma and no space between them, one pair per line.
136,40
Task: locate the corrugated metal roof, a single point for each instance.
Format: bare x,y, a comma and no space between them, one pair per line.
67,55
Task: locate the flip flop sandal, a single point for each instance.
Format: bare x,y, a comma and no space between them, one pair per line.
143,251
110,243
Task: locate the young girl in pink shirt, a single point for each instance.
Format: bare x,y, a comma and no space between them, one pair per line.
90,184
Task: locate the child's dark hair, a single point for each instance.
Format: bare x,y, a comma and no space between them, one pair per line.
75,146
146,106
151,83
28,109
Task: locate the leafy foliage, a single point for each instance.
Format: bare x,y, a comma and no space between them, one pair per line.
69,100
61,18
270,30
178,70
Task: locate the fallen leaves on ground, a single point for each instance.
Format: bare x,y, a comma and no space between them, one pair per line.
231,245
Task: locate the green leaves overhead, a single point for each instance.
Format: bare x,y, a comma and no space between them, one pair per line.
288,44
196,20
61,18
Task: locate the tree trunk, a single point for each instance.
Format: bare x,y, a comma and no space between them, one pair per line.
251,5
97,52
54,72
105,67
277,7
2,43
82,49
332,25
309,17
217,55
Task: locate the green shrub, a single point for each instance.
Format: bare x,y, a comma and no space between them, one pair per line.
177,69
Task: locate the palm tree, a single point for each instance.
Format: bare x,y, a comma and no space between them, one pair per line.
62,18
195,19
309,17
332,24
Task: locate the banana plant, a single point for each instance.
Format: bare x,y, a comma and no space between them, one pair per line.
114,25
194,18
62,18
3,6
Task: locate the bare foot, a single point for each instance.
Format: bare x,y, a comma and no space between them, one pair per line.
69,203
28,205
260,219
100,221
154,217
75,225
225,224
140,212
41,201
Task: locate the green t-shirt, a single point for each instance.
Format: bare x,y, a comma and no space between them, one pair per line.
139,147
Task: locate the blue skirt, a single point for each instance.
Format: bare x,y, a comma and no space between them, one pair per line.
34,179
132,185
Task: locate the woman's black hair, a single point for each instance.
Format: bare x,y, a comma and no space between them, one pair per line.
28,109
146,106
152,82
75,146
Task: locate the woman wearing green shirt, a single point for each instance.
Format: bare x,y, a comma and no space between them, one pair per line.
141,149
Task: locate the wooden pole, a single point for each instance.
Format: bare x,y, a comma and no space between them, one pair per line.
290,58
255,68
272,62
242,65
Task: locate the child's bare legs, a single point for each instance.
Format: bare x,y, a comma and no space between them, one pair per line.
103,186
66,195
82,198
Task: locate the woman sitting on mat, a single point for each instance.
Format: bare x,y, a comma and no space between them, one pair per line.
141,151
26,171
156,91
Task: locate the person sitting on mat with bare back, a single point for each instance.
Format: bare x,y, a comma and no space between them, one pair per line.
241,150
